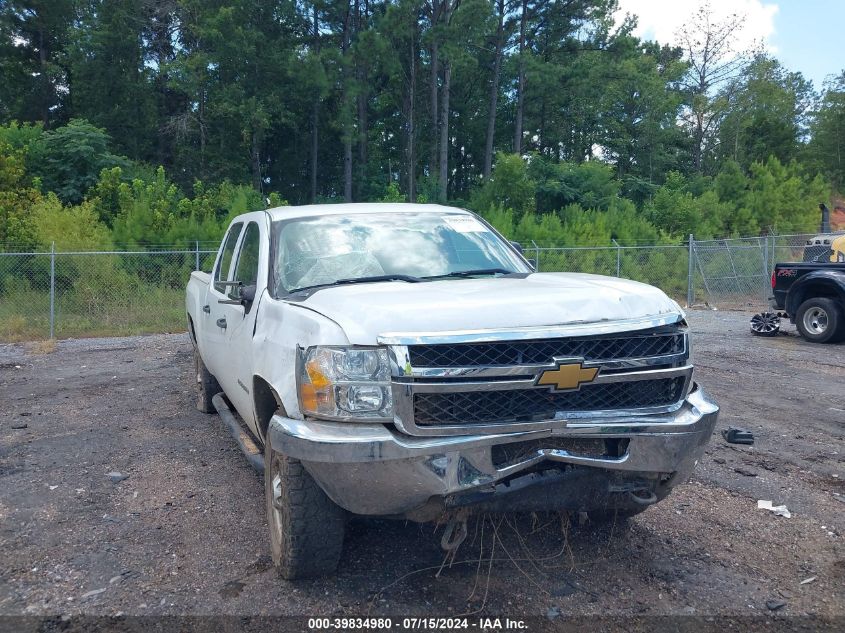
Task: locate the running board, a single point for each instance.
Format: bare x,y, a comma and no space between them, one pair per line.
253,454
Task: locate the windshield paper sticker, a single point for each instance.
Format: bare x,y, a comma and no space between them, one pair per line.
465,224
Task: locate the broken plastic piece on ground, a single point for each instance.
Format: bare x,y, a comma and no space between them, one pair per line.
807,581
454,534
782,511
738,436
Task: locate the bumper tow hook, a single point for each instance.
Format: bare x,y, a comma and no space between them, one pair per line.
643,501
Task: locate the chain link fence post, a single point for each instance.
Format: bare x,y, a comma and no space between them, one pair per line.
766,266
197,244
691,273
536,256
53,290
618,257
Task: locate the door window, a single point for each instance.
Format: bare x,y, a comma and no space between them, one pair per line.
247,268
224,264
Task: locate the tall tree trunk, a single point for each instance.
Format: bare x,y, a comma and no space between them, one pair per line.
363,134
698,134
494,92
315,148
412,97
520,88
435,97
347,171
315,117
444,133
347,132
255,156
363,130
698,141
202,129
44,80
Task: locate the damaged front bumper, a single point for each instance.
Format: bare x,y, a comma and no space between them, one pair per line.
584,465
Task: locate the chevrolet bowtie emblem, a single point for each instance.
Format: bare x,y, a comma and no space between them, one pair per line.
567,376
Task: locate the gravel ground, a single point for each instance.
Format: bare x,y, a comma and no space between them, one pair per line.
185,533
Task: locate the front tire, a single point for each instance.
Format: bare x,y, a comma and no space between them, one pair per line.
820,320
306,527
207,386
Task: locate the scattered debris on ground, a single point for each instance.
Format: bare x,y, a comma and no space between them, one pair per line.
781,510
186,533
738,436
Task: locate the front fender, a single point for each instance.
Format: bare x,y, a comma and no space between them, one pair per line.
280,328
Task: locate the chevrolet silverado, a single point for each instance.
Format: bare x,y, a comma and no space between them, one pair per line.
406,361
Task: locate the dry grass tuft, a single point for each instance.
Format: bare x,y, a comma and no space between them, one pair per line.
47,346
541,551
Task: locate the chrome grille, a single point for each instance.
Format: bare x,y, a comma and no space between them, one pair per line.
642,344
528,405
488,382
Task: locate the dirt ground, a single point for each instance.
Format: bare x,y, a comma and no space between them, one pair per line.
186,533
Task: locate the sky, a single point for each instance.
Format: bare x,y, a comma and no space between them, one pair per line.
805,35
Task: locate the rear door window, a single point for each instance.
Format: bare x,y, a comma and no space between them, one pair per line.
224,263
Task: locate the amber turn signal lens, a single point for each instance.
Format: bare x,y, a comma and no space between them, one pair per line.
308,396
316,376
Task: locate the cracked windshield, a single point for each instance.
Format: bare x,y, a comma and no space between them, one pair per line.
327,249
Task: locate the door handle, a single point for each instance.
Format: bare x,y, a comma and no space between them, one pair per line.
221,323
206,309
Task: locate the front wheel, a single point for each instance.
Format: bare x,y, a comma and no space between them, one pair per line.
820,320
306,527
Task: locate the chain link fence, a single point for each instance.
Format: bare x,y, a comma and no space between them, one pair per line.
72,294
735,274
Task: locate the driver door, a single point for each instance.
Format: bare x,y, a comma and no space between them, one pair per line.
250,269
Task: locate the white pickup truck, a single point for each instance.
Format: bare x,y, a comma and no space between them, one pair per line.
405,360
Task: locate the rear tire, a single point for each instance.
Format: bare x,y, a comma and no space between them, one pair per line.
207,386
306,527
820,320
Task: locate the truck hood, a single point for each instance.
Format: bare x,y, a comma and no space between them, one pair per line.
365,311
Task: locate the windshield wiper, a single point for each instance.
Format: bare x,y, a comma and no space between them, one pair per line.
471,273
359,280
364,280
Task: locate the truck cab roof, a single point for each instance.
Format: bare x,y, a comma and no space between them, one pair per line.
314,210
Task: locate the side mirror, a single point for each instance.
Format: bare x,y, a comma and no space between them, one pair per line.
239,294
247,294
518,247
533,263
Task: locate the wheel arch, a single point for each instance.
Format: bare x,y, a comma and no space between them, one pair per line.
191,331
266,403
813,286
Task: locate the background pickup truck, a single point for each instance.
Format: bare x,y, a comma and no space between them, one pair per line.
406,361
812,294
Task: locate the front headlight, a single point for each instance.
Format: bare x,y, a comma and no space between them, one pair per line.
345,383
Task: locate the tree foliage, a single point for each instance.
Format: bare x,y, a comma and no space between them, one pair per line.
158,120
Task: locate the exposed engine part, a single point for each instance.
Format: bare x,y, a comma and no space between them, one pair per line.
765,324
